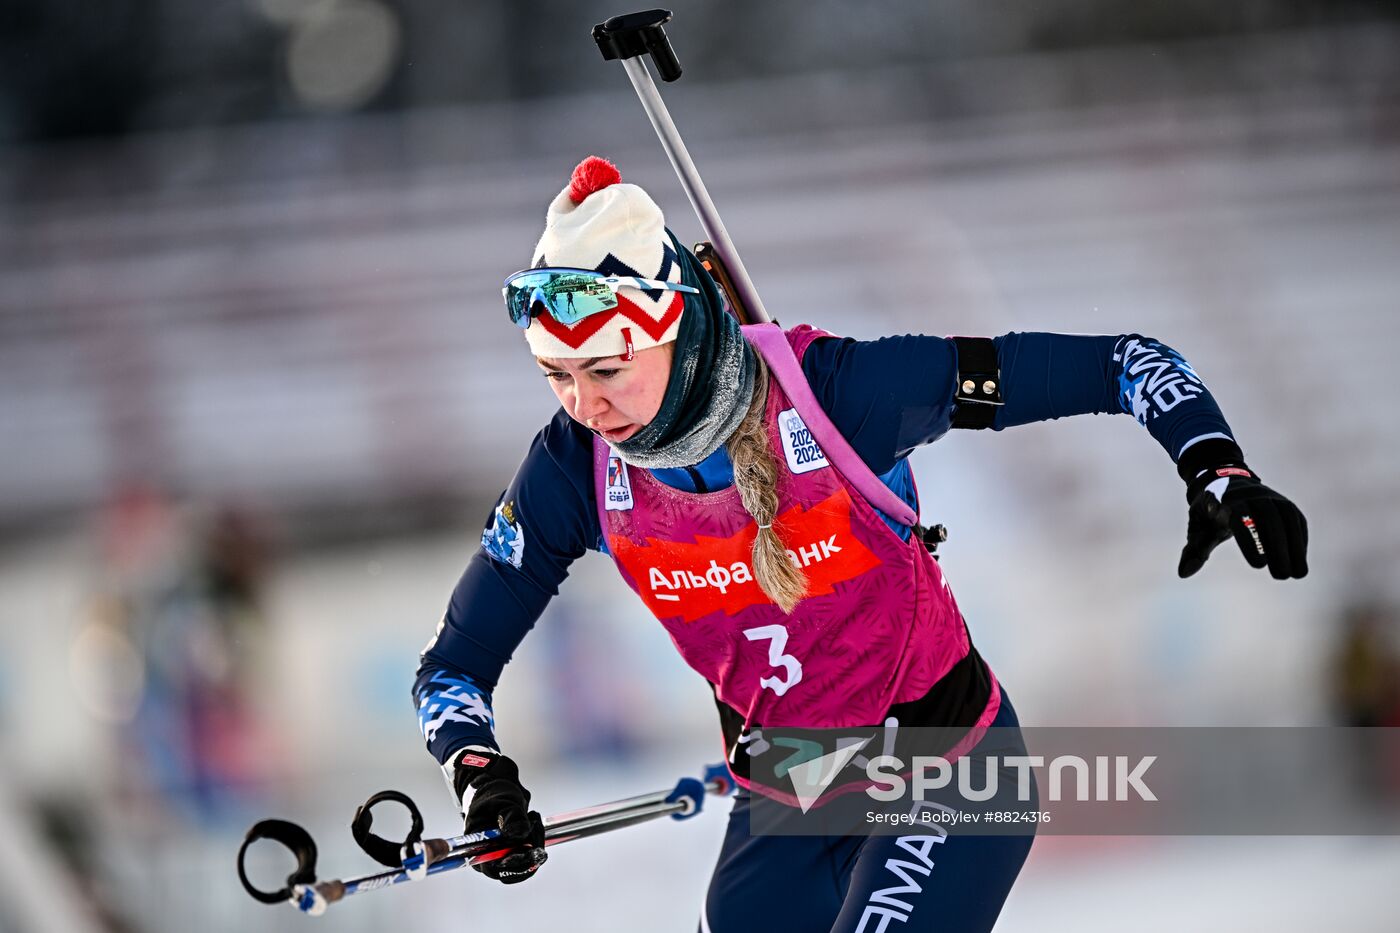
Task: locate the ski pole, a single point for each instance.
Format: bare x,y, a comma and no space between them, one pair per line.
418,858
630,38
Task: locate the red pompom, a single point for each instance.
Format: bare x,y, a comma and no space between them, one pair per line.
592,174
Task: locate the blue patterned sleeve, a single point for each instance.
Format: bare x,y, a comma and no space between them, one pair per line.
454,711
543,522
1158,387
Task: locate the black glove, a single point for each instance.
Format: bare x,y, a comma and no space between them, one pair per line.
500,801
1226,499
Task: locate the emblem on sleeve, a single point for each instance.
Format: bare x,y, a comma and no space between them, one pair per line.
504,539
617,494
803,454
1154,380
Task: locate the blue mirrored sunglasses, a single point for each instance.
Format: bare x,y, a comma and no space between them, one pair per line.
570,295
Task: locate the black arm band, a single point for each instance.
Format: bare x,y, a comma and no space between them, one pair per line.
979,383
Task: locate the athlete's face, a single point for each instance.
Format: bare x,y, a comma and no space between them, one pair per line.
610,395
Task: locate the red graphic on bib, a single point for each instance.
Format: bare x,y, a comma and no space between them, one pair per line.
691,580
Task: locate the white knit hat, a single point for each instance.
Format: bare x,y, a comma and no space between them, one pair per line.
601,224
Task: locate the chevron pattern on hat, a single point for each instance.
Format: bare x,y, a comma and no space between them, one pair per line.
597,222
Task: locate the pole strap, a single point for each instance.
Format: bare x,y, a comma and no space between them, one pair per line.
295,839
382,850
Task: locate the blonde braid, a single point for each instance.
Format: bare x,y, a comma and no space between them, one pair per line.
756,478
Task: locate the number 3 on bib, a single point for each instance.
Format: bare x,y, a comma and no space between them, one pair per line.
777,636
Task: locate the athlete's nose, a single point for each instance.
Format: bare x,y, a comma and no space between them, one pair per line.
589,403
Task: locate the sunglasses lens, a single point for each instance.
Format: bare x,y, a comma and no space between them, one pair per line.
569,297
518,304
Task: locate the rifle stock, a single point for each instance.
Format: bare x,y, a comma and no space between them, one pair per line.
709,258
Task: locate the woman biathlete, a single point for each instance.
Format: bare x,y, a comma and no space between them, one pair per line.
752,485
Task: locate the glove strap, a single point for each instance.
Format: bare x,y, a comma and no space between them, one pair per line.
471,763
1209,454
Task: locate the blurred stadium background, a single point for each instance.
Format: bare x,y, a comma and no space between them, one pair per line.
257,397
